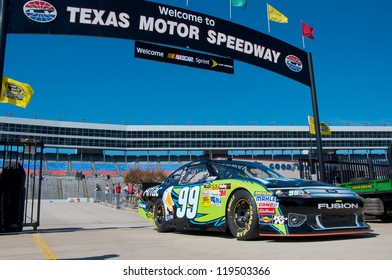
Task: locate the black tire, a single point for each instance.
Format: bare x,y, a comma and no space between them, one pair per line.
242,218
159,216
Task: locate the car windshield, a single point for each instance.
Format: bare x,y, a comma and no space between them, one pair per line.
243,170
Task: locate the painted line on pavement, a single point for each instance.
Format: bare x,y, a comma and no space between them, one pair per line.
44,247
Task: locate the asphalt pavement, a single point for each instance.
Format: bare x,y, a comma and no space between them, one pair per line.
93,231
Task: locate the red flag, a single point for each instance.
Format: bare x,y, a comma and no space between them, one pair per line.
307,31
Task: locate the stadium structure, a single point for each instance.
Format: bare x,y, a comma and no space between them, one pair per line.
106,151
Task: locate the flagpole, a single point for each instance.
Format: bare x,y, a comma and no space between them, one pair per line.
320,153
310,158
3,36
230,7
303,38
269,28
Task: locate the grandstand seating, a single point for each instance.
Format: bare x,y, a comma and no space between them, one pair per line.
124,167
105,166
147,166
27,165
101,168
57,168
84,167
169,166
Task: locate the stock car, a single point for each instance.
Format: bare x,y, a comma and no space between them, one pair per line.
250,200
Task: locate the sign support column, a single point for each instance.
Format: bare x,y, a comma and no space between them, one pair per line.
3,36
320,154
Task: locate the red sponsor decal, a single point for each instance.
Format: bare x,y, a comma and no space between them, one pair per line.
225,186
222,192
267,210
267,204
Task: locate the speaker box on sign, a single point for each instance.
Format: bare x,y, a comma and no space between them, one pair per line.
79,175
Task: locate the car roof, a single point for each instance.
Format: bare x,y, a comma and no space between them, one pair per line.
226,161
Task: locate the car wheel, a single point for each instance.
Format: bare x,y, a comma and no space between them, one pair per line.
242,218
159,216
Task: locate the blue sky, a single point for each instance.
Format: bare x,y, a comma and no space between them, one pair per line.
98,79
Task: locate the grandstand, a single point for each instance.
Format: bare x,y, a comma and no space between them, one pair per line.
103,153
112,166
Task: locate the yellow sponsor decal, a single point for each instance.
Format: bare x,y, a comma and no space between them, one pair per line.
266,219
362,187
206,201
262,193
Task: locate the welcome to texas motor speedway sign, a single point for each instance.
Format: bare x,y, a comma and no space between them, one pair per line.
159,23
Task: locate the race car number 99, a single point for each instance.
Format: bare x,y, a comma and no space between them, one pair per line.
188,199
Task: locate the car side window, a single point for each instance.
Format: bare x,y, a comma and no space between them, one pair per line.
195,174
174,178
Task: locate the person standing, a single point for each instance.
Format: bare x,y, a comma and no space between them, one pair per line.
130,193
107,191
117,194
97,193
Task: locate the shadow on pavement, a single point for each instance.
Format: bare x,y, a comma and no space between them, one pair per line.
103,257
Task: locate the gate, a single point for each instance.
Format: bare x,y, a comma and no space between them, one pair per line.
341,170
20,184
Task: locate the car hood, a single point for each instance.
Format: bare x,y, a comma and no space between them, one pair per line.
311,187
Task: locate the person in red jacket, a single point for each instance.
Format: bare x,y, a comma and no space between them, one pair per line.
117,190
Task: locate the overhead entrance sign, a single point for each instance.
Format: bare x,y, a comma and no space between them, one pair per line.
159,23
184,57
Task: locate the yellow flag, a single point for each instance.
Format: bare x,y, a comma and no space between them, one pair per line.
15,93
324,128
275,15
